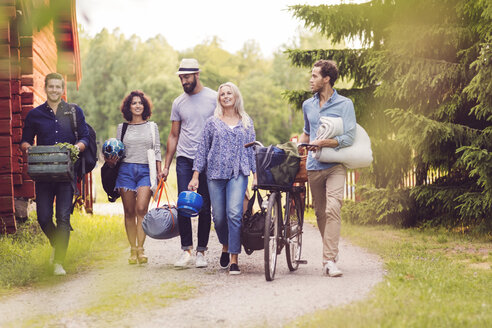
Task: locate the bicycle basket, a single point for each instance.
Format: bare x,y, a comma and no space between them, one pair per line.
276,167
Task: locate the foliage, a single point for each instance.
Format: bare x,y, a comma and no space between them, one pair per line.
74,151
424,269
381,206
24,255
112,67
114,64
426,73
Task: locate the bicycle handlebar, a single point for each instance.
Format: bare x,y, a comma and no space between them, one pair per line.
257,143
253,143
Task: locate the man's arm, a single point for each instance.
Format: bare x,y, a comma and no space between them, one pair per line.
172,143
303,138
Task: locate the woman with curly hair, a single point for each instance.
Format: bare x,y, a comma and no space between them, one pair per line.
134,177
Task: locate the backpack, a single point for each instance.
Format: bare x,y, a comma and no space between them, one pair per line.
253,226
88,159
109,174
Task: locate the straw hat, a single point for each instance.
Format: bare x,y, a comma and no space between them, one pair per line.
188,66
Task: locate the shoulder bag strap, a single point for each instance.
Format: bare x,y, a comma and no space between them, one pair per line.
260,202
123,130
73,121
152,130
251,202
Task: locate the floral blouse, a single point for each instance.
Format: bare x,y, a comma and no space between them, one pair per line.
221,151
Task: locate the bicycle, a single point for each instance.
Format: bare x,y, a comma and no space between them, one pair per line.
282,228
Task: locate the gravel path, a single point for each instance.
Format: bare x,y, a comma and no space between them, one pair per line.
220,300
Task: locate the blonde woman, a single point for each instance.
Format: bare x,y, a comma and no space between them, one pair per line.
228,164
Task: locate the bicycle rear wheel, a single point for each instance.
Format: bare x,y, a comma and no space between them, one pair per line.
293,231
271,235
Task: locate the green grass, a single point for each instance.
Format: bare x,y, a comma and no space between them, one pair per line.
434,278
24,255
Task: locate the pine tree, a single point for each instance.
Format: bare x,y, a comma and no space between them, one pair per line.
422,88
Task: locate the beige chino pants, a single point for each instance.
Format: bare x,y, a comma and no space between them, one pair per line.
327,190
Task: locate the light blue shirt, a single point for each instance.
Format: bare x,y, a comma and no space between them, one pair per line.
336,106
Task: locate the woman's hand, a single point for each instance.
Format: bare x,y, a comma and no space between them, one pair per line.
193,185
111,160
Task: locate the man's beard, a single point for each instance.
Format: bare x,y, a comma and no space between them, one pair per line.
316,88
188,88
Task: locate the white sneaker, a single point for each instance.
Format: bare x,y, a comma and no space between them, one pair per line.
184,260
58,270
200,262
331,269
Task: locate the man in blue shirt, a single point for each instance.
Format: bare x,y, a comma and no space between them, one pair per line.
50,123
327,180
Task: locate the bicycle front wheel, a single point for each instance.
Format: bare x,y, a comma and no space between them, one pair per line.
271,235
293,231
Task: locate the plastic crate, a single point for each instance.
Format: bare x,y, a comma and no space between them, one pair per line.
50,163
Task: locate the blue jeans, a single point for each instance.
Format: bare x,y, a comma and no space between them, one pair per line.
184,172
60,234
132,176
227,197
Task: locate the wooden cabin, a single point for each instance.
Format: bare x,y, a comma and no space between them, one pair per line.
37,37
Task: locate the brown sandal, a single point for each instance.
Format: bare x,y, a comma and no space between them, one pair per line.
133,256
142,258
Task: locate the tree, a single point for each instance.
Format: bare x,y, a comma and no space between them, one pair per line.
114,65
422,83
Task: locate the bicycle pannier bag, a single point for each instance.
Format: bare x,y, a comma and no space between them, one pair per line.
253,226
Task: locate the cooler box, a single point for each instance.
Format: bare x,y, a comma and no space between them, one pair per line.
50,163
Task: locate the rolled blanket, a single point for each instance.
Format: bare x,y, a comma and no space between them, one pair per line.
358,155
329,127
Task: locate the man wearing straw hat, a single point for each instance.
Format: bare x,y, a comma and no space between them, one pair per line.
188,115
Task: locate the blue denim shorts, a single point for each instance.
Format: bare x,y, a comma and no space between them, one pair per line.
131,176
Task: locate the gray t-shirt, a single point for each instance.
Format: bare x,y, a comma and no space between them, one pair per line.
192,111
138,138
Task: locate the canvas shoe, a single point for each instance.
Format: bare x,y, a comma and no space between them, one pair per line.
58,270
234,269
331,269
224,260
200,261
184,260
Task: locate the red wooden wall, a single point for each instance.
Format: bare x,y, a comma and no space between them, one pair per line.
26,56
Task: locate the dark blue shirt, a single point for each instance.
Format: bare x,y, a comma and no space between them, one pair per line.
51,129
